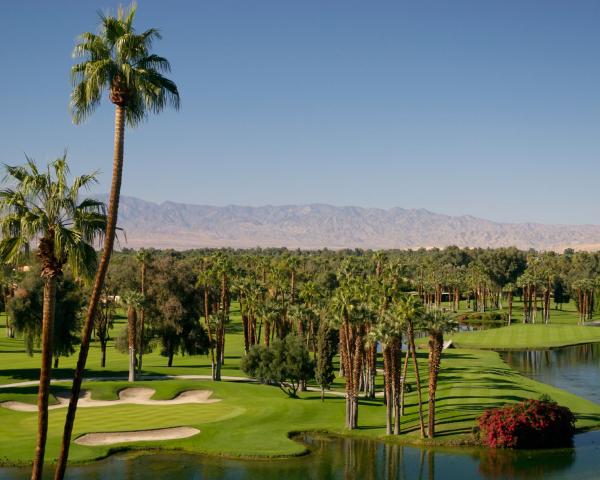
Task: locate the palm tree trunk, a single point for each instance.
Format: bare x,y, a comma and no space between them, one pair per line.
411,345
371,371
387,360
219,353
267,332
431,391
131,324
45,373
209,330
103,353
356,367
396,382
436,342
403,380
109,240
142,317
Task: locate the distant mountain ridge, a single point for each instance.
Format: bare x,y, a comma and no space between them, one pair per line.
184,226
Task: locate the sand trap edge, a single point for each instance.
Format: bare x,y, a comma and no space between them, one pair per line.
111,438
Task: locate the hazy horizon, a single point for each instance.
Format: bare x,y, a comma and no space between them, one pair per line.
309,204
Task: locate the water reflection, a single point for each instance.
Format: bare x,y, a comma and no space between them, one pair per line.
344,459
575,368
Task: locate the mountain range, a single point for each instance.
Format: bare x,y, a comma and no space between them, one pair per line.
183,226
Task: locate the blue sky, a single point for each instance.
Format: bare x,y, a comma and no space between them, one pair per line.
489,108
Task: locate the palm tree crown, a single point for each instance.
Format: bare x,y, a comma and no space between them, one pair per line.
41,205
119,60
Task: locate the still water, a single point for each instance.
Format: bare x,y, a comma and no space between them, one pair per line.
576,368
344,459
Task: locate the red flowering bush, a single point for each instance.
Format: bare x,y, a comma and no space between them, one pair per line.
530,424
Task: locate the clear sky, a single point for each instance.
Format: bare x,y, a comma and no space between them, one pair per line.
489,108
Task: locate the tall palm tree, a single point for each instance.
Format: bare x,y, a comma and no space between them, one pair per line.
135,303
509,289
349,307
223,269
436,323
40,205
144,257
388,333
206,278
409,310
119,61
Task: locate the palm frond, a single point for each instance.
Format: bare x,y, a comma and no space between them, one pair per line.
153,62
11,249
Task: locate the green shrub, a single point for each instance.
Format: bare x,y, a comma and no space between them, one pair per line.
285,363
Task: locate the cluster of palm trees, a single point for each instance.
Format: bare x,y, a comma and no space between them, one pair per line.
488,279
368,305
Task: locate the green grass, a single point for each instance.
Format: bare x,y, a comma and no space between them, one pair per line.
16,365
255,420
527,336
566,315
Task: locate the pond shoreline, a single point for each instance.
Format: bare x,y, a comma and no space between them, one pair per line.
462,443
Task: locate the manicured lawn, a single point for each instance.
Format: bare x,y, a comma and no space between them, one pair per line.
527,336
16,365
255,420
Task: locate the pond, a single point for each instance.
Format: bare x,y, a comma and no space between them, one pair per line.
575,368
341,458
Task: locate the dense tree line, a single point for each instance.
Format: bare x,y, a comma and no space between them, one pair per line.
364,308
369,301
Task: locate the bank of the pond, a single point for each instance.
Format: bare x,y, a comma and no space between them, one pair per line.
521,336
573,368
342,458
254,421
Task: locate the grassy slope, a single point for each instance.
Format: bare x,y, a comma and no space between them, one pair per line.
521,336
254,420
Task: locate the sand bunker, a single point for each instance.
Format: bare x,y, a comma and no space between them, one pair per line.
110,438
137,395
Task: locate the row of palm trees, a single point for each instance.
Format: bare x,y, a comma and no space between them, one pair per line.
372,311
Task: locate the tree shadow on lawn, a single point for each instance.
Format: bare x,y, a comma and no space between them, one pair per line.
370,427
13,393
328,398
477,371
483,382
234,328
484,387
57,373
465,375
228,357
511,398
452,355
593,417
